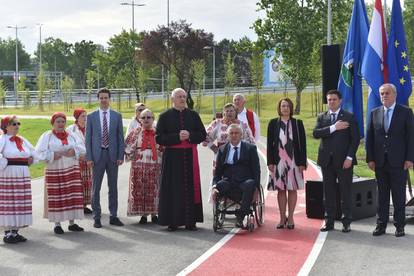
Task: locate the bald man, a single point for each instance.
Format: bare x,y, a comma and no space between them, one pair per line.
246,115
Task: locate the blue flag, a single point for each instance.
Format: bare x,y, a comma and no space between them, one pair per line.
350,82
397,56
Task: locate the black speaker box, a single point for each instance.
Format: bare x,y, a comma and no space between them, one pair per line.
331,67
364,199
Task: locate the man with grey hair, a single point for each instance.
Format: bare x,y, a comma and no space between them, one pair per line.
246,115
237,167
180,129
390,153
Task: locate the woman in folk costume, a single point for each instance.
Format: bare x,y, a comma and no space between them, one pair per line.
64,191
135,121
217,130
145,156
77,130
16,154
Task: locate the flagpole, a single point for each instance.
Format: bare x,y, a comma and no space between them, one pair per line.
329,34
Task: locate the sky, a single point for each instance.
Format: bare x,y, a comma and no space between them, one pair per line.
98,20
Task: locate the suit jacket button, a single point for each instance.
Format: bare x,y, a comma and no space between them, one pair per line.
386,136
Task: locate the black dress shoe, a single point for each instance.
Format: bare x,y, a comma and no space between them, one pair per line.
20,238
97,223
143,220
399,232
154,219
346,228
191,228
290,226
327,227
58,230
282,225
379,230
87,211
75,228
10,239
115,221
172,228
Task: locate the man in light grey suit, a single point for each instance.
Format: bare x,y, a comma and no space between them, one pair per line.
105,152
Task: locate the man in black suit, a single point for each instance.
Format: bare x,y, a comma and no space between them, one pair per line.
390,153
237,166
339,136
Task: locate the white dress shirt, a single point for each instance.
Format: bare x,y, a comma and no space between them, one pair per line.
230,154
107,118
392,108
242,116
332,128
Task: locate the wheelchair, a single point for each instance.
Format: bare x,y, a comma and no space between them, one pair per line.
229,204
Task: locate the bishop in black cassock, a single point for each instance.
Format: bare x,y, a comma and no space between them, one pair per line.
180,129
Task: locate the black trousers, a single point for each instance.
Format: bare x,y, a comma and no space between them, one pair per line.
334,178
247,187
391,179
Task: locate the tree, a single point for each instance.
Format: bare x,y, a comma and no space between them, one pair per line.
293,28
56,55
81,60
41,88
198,68
90,84
121,55
67,88
175,47
2,93
408,14
22,90
229,77
256,67
142,79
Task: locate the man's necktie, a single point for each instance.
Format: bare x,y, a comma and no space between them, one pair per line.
105,134
333,117
387,120
235,155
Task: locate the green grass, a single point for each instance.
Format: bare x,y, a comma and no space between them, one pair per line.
268,111
31,129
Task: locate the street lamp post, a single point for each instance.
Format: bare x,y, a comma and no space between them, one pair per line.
133,5
40,46
16,75
214,76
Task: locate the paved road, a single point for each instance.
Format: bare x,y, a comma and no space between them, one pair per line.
130,250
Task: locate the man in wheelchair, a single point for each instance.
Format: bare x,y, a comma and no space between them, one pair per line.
237,167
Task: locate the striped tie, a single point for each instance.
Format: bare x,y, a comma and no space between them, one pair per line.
105,134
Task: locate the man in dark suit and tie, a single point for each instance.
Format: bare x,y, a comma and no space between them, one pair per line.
339,134
105,152
237,166
390,153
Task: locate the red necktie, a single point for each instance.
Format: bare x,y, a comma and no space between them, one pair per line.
105,134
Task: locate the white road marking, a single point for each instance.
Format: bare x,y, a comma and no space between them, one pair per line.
226,238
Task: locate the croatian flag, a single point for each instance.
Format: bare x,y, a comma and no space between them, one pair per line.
374,68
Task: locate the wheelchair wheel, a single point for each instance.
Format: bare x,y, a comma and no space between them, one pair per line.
215,216
259,207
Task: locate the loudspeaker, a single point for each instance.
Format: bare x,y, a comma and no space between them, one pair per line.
314,201
364,199
331,67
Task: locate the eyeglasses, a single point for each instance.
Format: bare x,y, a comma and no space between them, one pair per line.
16,124
147,117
